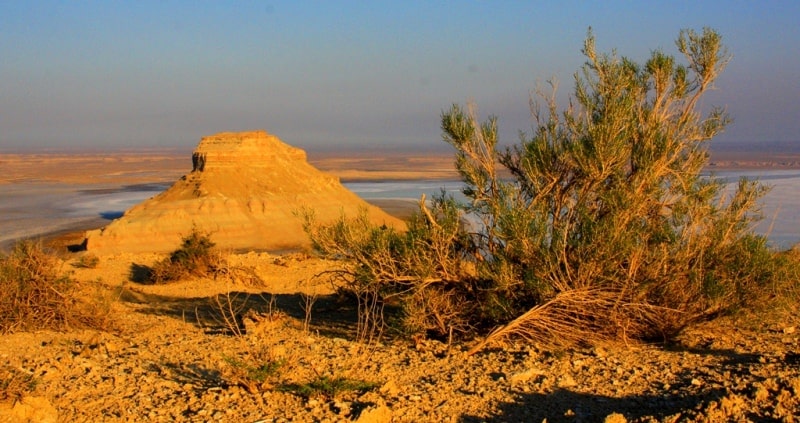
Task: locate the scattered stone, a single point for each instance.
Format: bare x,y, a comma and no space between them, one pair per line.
375,414
524,376
615,418
35,409
566,381
390,388
762,394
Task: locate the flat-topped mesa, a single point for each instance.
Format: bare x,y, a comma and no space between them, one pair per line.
242,149
246,189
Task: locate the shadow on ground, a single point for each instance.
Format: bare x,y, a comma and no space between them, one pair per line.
685,393
228,313
567,406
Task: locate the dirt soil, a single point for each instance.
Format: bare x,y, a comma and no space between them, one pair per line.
191,350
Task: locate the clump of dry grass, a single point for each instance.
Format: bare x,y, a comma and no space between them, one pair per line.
14,383
87,261
36,294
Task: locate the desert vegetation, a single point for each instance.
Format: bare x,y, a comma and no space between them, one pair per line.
195,257
14,383
606,229
38,294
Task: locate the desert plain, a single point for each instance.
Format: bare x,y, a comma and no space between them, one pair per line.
169,352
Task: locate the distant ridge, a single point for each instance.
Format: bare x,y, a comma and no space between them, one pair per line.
763,147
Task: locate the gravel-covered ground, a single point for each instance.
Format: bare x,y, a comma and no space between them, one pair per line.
169,355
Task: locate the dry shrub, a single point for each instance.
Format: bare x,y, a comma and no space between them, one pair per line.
87,261
577,317
310,289
424,271
95,305
229,309
37,295
436,310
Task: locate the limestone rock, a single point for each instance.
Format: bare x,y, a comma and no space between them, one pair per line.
244,188
375,414
34,409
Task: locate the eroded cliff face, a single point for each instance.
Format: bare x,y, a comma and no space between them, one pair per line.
252,149
245,189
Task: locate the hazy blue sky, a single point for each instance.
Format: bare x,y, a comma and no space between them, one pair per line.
341,75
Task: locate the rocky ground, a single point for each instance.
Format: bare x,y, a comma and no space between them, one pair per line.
230,350
173,353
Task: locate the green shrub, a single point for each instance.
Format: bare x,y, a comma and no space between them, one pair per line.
606,228
255,376
195,257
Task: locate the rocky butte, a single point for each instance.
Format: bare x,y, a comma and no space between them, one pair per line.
245,189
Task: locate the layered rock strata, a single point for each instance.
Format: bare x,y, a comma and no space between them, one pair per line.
245,189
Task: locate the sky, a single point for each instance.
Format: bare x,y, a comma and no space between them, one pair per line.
353,75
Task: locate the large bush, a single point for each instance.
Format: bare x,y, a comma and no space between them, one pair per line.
606,229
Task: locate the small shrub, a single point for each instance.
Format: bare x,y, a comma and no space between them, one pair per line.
35,294
195,257
87,261
256,373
